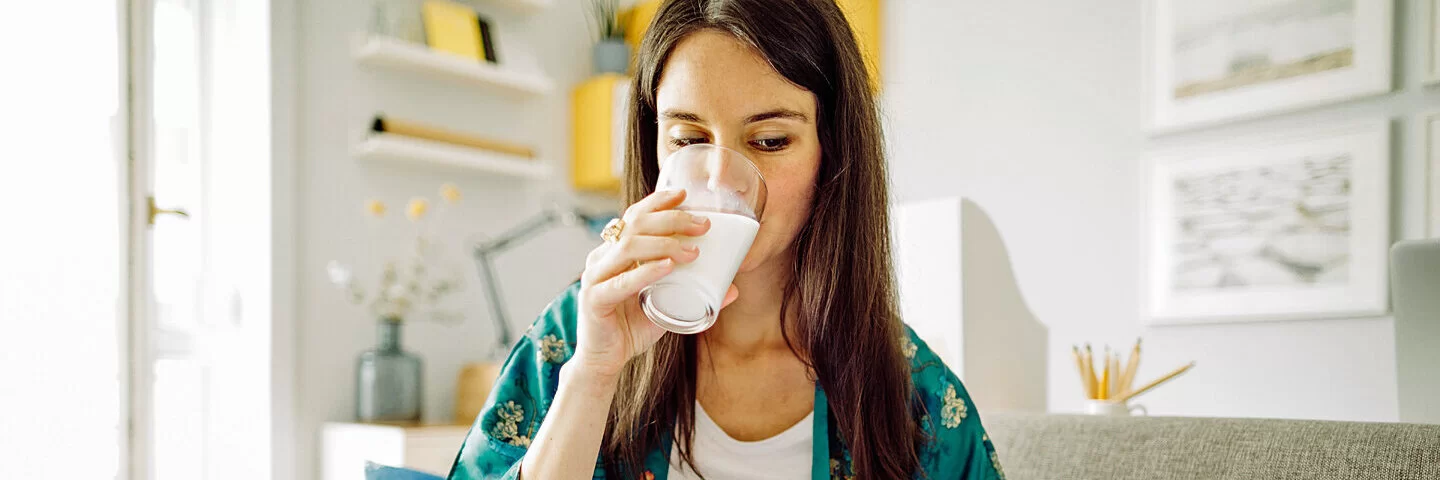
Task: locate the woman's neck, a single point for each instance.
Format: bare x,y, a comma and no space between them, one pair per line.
751,325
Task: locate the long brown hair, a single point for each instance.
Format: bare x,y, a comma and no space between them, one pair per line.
842,285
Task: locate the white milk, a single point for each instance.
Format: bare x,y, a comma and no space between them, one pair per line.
685,293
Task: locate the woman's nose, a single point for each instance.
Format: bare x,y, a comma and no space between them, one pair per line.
725,174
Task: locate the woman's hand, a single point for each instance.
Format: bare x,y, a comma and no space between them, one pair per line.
612,328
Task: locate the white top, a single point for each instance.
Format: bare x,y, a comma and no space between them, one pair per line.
784,456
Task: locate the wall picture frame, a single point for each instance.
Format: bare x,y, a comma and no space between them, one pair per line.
1221,60
1292,227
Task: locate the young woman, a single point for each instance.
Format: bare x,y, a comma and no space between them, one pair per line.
809,371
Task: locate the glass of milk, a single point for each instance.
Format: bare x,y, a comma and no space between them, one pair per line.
722,185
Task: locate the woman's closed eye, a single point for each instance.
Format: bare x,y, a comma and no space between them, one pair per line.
770,144
682,141
764,144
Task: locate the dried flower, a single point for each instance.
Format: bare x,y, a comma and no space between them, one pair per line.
417,207
450,193
340,275
395,291
375,208
410,285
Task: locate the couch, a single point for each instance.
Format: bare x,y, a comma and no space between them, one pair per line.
1068,447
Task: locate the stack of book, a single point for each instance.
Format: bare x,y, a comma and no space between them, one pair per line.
457,29
390,126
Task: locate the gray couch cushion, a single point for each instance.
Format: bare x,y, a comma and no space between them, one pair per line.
1055,447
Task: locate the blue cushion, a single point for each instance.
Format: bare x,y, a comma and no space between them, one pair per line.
375,471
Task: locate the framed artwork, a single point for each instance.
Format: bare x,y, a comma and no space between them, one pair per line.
1286,229
1430,126
1218,60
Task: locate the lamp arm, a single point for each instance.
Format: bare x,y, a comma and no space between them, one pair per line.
530,228
485,253
497,307
484,261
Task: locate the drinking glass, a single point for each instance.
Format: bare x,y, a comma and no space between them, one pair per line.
722,185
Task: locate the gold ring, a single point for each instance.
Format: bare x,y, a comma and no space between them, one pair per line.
611,233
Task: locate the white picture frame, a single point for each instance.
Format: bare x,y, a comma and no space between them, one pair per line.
1430,133
1432,43
1212,61
1264,232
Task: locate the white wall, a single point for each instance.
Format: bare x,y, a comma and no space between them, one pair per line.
335,101
1034,111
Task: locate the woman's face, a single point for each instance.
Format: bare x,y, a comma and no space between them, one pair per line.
715,89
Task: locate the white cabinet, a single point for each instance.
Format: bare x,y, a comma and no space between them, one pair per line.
428,448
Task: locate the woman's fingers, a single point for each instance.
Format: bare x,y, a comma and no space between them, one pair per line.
668,222
630,249
628,284
730,296
660,200
649,224
647,241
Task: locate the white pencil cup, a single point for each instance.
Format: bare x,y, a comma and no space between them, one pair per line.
1111,408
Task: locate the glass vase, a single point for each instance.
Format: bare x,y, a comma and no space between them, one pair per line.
387,380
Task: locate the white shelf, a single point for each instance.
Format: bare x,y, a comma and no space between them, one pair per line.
401,150
396,54
528,7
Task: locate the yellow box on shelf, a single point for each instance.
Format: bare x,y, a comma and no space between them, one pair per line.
637,21
864,17
601,108
452,28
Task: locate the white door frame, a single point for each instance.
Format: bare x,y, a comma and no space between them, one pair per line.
138,99
284,88
125,311
137,350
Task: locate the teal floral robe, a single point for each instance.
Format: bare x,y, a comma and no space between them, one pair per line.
502,432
